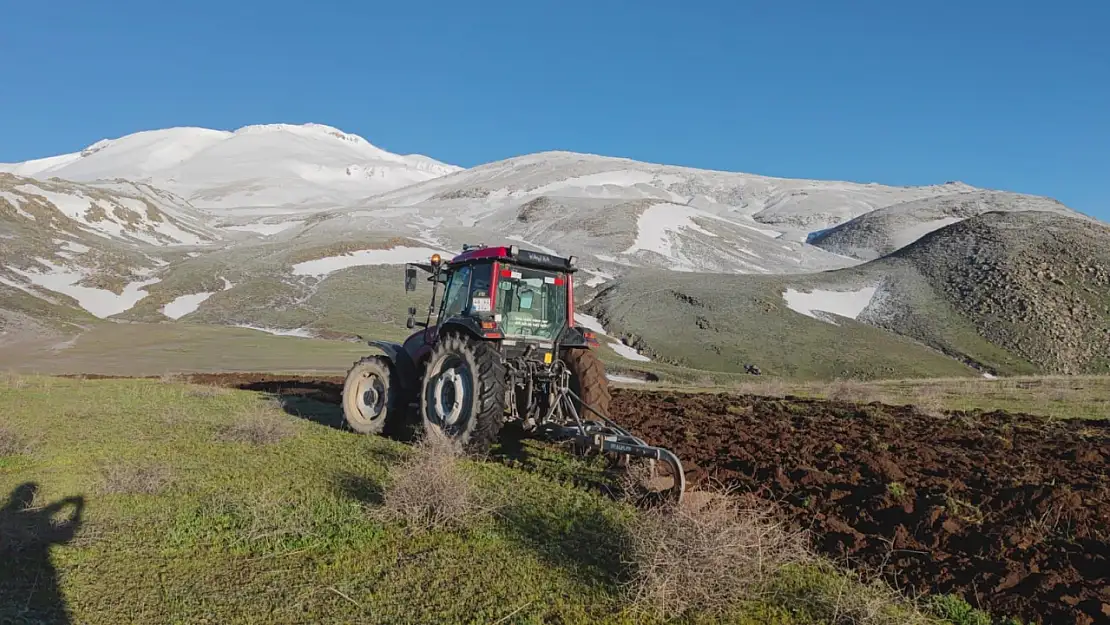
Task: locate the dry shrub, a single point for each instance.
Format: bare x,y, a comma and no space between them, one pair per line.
120,479
12,444
708,554
258,425
430,490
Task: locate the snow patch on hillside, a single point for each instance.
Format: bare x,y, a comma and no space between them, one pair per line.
628,352
184,304
297,332
599,277
591,323
98,302
624,379
843,303
71,246
394,256
659,222
72,206
16,201
908,235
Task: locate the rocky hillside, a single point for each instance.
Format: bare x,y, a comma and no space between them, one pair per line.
891,228
1034,283
1001,293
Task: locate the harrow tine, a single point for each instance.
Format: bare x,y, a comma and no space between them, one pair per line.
610,437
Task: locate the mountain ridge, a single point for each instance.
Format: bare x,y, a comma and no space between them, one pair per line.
273,200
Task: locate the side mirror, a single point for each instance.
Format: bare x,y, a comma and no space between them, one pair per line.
410,323
410,278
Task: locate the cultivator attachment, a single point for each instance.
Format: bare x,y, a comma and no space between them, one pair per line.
605,436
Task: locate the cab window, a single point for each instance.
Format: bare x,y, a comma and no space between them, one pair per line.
458,292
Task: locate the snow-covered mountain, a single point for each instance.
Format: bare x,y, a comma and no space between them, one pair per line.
281,223
256,169
620,212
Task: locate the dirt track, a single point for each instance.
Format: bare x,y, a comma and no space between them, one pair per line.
1010,511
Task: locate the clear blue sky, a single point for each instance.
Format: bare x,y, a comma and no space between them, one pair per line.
1012,95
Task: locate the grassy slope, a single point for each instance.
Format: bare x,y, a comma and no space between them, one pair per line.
152,349
277,533
180,524
720,323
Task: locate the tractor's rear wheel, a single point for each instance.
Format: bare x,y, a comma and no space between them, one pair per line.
372,396
463,392
588,382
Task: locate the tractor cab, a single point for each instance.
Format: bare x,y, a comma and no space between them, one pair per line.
518,297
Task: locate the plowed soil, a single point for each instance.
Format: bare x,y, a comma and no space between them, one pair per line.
1010,511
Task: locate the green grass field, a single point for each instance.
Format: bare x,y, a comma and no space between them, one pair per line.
199,504
140,349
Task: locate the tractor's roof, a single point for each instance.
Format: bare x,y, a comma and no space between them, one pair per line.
515,255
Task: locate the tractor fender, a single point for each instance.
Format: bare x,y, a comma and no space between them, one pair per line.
461,325
572,336
406,368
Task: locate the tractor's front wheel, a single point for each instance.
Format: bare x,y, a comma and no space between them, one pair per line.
463,392
372,396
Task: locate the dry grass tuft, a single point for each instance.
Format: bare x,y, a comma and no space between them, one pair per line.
12,444
708,555
930,401
852,391
171,377
12,380
206,390
429,490
260,425
768,387
120,479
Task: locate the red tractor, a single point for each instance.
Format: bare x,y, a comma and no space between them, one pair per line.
501,345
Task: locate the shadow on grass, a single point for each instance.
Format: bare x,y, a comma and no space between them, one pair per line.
360,488
510,449
28,581
321,402
581,540
316,401
330,415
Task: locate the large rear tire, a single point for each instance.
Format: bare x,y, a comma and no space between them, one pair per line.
463,392
372,396
588,382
